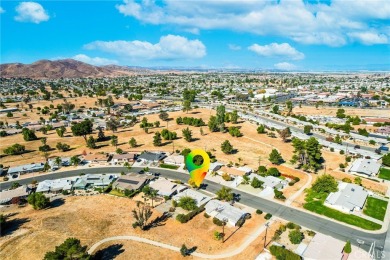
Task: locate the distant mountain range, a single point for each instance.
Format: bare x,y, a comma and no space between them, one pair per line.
67,68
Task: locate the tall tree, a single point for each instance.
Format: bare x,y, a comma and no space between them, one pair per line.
133,142
157,141
234,117
82,129
114,141
221,118
141,215
187,134
225,194
289,106
275,157
186,106
91,142
285,134
226,147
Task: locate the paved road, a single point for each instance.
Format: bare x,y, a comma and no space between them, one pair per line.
300,217
231,253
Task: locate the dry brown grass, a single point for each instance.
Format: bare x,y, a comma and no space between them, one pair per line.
331,111
93,218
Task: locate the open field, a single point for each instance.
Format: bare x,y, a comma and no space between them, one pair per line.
375,208
93,218
331,111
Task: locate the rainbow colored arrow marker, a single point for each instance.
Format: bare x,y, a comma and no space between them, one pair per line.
197,172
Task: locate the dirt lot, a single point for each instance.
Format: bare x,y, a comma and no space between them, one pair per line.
93,218
331,111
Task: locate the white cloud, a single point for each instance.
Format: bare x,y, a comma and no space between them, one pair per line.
302,21
2,10
94,60
169,47
279,50
234,47
369,38
285,66
31,12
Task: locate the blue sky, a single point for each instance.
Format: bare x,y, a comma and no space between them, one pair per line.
285,34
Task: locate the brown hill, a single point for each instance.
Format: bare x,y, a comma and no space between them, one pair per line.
67,68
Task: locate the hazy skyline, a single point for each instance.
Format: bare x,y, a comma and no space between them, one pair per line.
286,35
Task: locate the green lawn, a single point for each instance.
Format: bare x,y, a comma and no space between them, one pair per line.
169,166
315,203
384,174
117,193
375,208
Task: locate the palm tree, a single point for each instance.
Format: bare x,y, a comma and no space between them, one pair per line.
58,161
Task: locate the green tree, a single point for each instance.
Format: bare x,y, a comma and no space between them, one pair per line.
307,129
157,141
225,194
275,109
112,125
82,129
62,147
234,117
386,160
256,183
325,184
234,131
58,161
221,118
133,142
347,247
213,124
61,131
187,203
340,113
164,117
75,160
226,147
289,106
187,134
28,135
38,200
275,157
71,248
91,142
358,181
295,236
273,172
187,106
101,135
184,250
3,223
15,149
46,167
114,141
261,129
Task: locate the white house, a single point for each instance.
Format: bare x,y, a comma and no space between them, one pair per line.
54,185
174,160
200,198
270,181
368,167
349,197
166,187
224,212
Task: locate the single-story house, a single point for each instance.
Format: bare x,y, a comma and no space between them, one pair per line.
26,168
270,181
200,198
215,166
94,180
65,161
7,196
174,160
126,157
368,167
324,247
152,156
54,185
131,182
232,171
245,169
166,187
224,212
99,158
348,198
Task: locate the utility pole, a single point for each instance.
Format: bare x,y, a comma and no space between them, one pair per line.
265,237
